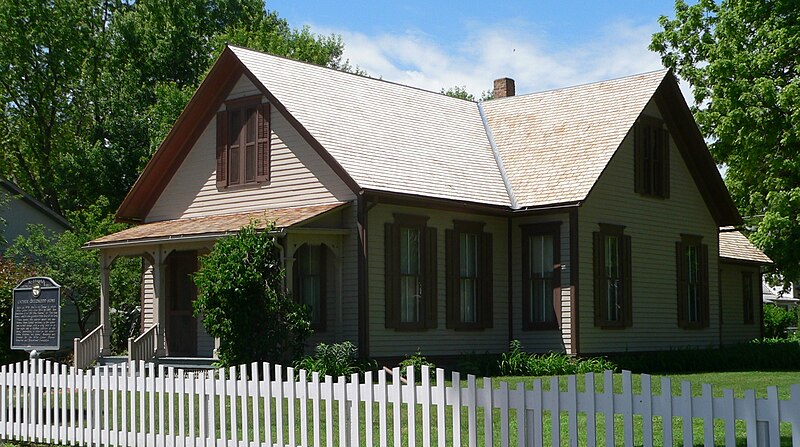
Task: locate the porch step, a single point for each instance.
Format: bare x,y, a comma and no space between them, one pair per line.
187,363
111,360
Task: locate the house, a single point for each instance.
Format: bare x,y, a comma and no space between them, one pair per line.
581,220
18,210
780,297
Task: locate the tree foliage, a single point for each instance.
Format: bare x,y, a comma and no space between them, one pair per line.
242,301
741,58
89,88
460,91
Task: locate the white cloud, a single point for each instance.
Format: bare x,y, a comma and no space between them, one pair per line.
486,52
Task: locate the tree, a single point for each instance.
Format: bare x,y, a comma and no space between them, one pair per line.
242,301
741,58
462,93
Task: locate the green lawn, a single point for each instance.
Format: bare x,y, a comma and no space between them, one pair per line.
739,382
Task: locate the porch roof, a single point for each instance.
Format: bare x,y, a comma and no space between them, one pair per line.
734,245
211,226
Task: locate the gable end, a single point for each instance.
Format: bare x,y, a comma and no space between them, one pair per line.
187,129
694,151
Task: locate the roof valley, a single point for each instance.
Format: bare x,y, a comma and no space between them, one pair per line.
498,158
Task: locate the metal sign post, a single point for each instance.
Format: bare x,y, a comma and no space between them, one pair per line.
36,316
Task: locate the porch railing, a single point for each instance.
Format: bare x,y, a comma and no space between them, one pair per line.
88,348
144,346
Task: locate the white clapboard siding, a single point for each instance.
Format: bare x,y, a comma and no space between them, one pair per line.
252,405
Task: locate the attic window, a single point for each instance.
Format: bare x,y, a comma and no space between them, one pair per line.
243,143
651,157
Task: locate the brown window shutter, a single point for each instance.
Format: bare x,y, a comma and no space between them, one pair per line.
263,153
391,275
451,280
599,301
627,282
705,299
323,288
486,274
526,280
665,162
222,150
431,290
680,268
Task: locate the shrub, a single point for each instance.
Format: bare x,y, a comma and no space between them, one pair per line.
772,354
517,362
777,320
484,365
338,359
417,361
242,301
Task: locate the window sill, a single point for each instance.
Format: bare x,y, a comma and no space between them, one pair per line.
411,327
467,328
527,326
653,196
252,185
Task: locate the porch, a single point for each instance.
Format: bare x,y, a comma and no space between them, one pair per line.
171,252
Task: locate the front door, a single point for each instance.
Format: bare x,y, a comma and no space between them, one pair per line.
181,330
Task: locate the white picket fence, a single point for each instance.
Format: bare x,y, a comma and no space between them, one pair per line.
256,405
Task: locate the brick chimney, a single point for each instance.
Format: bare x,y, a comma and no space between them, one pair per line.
503,88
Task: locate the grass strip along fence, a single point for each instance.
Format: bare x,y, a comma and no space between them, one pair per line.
263,404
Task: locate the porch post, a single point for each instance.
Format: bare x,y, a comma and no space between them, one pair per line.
339,256
159,302
287,256
105,302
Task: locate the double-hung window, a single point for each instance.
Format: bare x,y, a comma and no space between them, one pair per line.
469,276
541,278
410,273
612,277
692,272
310,281
243,143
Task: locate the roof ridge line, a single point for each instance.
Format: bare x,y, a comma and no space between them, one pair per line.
498,158
349,73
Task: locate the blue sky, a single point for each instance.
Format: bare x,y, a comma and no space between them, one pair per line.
541,44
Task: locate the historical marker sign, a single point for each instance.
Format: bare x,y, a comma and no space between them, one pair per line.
36,315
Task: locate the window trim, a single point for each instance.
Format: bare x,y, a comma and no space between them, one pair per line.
428,306
539,229
681,247
624,262
261,144
646,129
483,301
321,325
